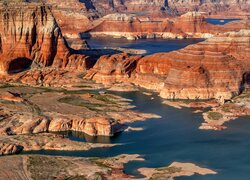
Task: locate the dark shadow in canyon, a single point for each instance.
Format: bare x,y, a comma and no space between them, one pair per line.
83,137
18,65
246,79
88,3
245,84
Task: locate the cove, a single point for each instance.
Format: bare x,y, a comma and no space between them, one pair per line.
175,137
150,45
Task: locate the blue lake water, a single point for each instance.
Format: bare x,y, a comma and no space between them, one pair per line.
176,137
220,21
150,45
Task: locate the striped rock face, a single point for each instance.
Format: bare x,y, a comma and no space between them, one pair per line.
214,68
30,36
132,27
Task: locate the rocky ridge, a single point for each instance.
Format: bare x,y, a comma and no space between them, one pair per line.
165,7
210,69
141,19
132,27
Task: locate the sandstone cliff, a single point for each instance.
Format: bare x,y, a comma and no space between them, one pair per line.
189,25
30,36
167,7
75,16
215,68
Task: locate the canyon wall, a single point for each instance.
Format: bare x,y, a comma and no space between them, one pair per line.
169,7
75,17
214,68
30,36
189,25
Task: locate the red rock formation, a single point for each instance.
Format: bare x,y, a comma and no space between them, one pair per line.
30,35
87,16
210,69
71,15
119,66
169,7
219,8
191,24
76,17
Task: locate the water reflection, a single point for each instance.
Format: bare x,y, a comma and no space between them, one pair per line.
83,137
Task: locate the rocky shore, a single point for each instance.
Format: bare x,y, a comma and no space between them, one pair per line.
176,169
29,167
216,68
25,113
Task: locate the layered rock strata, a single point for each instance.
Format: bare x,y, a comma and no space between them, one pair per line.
30,36
164,7
214,68
113,68
132,27
87,15
30,123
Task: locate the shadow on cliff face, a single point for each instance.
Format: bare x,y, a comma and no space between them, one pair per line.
19,65
245,81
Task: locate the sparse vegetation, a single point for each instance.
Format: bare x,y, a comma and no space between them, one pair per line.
165,172
77,101
76,178
214,115
244,95
41,167
170,170
105,98
226,108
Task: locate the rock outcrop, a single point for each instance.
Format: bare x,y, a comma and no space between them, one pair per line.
8,149
210,69
212,7
132,27
149,17
30,36
214,68
72,16
164,7
31,124
115,68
